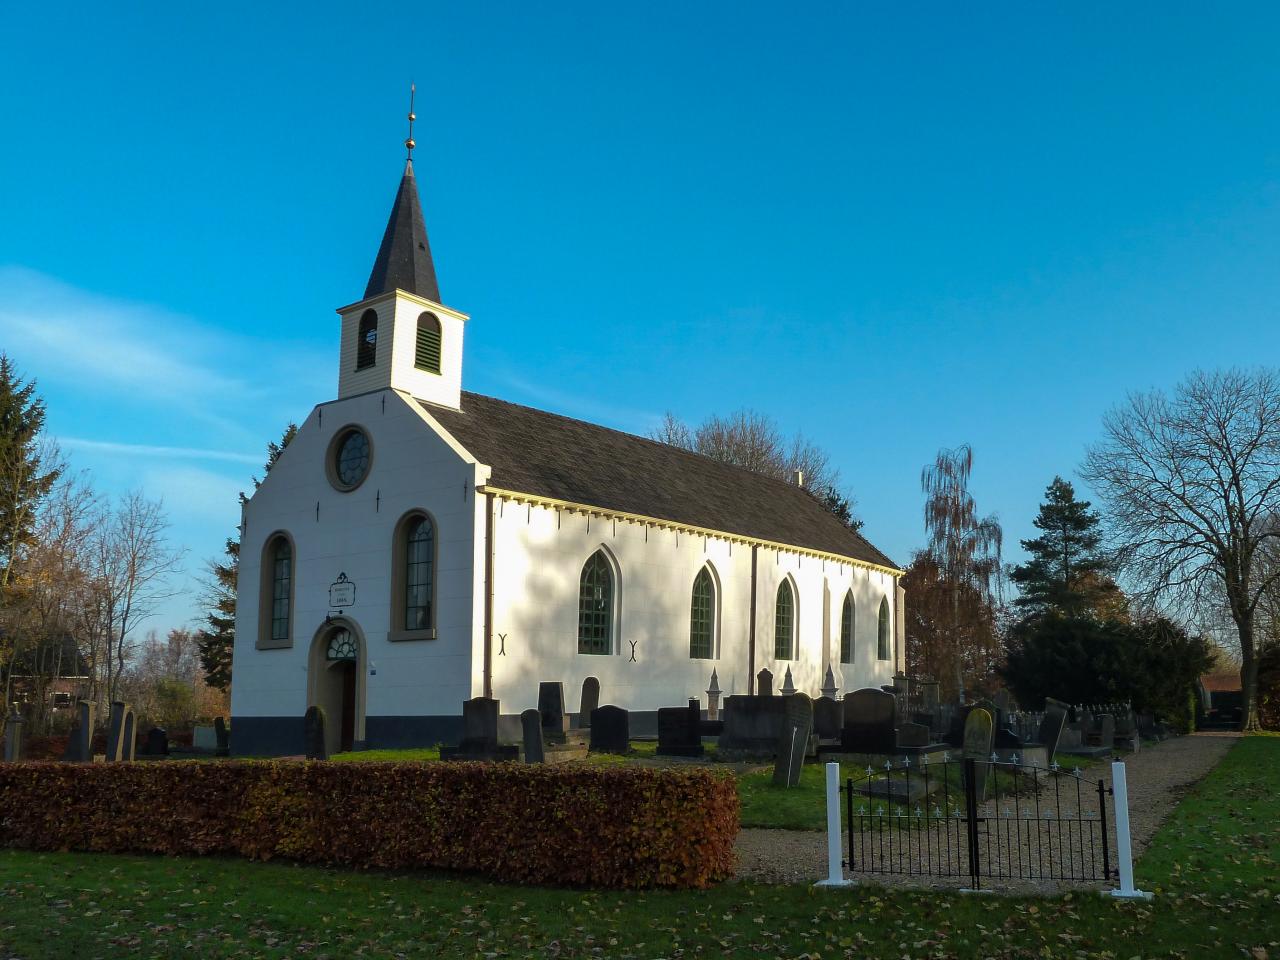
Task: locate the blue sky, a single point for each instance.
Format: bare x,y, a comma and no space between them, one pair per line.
896,227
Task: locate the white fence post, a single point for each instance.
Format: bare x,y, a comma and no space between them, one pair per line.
835,868
1124,848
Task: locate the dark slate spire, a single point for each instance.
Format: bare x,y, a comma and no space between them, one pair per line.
404,259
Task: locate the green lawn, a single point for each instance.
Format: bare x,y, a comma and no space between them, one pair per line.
1216,866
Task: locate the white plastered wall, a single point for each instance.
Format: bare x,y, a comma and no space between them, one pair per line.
540,551
412,468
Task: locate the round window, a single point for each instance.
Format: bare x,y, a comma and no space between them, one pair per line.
349,458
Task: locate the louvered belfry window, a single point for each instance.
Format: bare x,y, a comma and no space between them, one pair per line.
846,630
784,619
426,355
595,606
702,611
367,340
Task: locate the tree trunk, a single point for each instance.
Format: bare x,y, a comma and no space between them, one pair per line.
1248,679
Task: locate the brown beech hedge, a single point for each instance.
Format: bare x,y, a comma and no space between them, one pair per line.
562,825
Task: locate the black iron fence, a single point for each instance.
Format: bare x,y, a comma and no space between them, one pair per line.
974,819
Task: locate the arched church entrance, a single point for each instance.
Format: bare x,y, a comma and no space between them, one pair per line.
336,682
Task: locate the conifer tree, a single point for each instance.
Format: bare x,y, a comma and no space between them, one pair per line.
24,478
1067,574
217,640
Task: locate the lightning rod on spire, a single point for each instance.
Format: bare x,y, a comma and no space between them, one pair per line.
408,143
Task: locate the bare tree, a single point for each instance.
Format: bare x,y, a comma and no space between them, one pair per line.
132,566
1192,483
965,550
752,440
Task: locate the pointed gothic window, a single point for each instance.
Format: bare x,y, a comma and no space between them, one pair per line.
281,588
426,355
784,623
846,630
883,651
702,615
595,606
419,560
367,340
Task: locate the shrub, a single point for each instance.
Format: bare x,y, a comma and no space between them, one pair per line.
561,825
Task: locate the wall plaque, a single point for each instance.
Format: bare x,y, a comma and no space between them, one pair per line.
342,592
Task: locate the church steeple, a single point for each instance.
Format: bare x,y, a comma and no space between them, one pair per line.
404,259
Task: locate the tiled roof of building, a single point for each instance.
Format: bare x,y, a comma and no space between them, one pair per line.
559,458
1222,682
404,259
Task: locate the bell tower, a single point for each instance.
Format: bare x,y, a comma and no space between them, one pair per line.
400,335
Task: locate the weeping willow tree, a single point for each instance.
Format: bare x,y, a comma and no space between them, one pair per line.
965,550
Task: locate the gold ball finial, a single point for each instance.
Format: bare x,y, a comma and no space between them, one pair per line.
410,144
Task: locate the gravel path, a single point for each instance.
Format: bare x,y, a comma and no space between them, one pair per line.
1159,776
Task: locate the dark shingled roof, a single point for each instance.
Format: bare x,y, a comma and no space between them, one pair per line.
543,454
404,259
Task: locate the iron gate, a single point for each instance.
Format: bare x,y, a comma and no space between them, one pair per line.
971,819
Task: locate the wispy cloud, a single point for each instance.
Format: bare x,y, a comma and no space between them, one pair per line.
573,405
160,452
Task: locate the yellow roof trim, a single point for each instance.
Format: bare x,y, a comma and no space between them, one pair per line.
518,497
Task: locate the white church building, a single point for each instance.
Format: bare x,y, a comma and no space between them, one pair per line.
417,545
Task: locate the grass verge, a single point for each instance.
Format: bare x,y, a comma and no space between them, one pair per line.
1216,865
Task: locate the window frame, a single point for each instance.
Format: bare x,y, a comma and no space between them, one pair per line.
367,356
600,559
267,640
438,346
335,449
884,639
848,628
793,617
705,575
400,579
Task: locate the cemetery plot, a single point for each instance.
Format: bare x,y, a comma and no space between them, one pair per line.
974,819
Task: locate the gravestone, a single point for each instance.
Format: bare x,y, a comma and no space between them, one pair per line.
829,688
610,730
713,698
479,733
1003,700
80,742
752,726
531,727
979,734
157,743
129,747
551,708
590,700
788,684
913,735
930,701
1051,730
764,683
870,722
828,718
680,731
115,730
794,741
13,736
1103,734
313,734
1126,734
223,748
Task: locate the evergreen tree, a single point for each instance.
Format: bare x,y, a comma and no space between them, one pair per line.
24,479
217,640
1067,574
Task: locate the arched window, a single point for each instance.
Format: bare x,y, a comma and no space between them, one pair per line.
846,630
342,645
595,606
281,588
882,647
784,623
426,355
419,572
367,340
702,617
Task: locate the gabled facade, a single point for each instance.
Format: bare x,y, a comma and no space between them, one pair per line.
416,545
